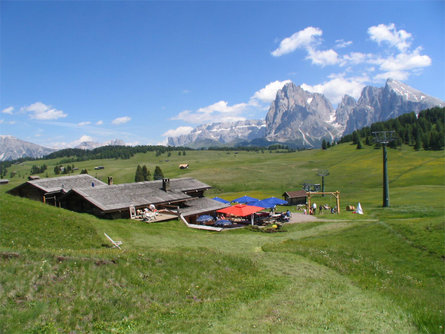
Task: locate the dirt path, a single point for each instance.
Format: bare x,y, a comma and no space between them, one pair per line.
301,218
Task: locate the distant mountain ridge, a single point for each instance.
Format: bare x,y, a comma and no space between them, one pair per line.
91,145
216,134
304,119
12,148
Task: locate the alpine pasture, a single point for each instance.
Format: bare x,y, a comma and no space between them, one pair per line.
381,272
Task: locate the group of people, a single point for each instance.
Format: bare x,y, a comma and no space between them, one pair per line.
313,209
148,214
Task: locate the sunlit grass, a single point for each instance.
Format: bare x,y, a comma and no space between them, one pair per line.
378,272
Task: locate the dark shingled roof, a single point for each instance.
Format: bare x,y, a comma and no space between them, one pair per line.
66,183
295,194
121,196
200,205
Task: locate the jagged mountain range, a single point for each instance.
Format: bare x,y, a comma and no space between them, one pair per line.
304,119
12,148
296,117
216,134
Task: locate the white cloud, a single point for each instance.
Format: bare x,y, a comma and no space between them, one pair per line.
83,123
390,35
8,110
99,122
268,93
41,111
182,130
355,58
222,111
84,138
121,120
341,43
322,58
338,86
301,39
403,62
394,59
217,112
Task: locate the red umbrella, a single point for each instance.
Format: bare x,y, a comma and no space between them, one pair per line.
241,210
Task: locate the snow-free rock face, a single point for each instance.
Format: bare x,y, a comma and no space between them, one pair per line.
12,148
300,117
344,110
221,133
391,101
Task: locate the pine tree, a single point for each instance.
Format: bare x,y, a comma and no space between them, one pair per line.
139,177
355,138
418,143
359,143
158,175
146,173
324,145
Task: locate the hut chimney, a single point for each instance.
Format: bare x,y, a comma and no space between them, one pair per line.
166,184
110,180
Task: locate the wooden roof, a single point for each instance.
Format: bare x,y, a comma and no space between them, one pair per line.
65,183
121,196
199,205
295,194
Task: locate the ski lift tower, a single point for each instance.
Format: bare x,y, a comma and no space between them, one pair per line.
322,173
384,137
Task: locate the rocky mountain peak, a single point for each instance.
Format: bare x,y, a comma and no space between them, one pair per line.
299,116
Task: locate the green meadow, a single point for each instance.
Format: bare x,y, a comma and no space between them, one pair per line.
381,272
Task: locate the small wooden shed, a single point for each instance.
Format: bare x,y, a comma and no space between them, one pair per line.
295,197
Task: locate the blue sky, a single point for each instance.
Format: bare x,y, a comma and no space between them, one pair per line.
143,70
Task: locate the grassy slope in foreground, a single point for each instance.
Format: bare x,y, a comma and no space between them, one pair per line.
168,278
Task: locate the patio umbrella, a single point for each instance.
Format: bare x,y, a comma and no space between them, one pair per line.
204,218
245,199
222,200
241,210
275,201
223,223
263,203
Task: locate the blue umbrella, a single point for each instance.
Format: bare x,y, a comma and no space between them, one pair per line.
264,204
245,199
204,218
221,200
223,223
276,201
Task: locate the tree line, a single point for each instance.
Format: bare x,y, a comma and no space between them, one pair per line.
110,152
143,174
423,131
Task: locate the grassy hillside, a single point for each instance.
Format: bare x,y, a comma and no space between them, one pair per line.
380,272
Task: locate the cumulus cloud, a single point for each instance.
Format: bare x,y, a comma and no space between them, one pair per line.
121,120
84,138
394,58
389,34
401,65
182,130
308,39
301,39
268,93
83,123
99,122
217,112
8,110
222,111
322,58
42,111
337,86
